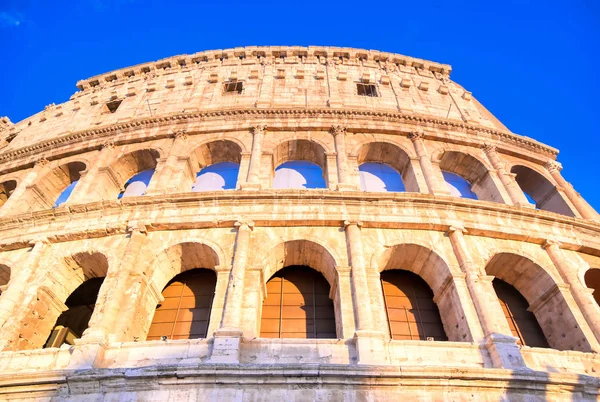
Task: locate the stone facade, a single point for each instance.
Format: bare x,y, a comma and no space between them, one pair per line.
296,103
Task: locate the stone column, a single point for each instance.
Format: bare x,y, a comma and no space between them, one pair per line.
15,202
502,347
170,172
507,179
14,302
584,209
370,347
227,342
111,300
433,184
86,190
344,183
581,294
253,179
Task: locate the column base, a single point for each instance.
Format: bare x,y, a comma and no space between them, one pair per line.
347,187
504,352
85,355
251,186
261,104
370,347
93,337
226,346
334,103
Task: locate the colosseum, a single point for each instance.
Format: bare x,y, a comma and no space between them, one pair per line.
290,224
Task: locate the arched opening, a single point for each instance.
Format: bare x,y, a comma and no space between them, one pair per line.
218,166
385,167
521,321
409,306
458,186
297,305
138,184
299,164
185,311
6,189
54,188
541,190
434,283
592,281
72,322
467,177
545,300
131,174
4,277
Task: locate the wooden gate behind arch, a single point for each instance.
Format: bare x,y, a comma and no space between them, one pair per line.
185,310
298,305
409,306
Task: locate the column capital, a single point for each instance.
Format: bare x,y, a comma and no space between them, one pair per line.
488,148
259,129
180,134
335,130
39,242
416,134
136,227
244,224
457,228
551,242
108,145
553,166
40,163
348,222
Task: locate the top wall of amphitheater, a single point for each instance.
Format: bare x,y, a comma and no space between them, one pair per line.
286,88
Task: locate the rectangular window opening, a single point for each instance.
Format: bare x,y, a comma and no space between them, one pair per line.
367,90
234,86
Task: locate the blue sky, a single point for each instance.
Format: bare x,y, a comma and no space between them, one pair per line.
534,64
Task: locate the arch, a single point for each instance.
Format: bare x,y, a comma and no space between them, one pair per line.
6,189
545,299
300,252
217,164
297,305
592,281
390,155
128,166
522,323
185,310
436,273
537,187
474,172
82,277
55,187
306,158
183,256
410,310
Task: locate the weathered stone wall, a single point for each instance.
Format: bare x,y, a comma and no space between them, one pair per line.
297,103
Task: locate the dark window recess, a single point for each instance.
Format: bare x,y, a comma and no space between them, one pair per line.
185,311
298,305
112,106
411,311
521,321
234,87
367,90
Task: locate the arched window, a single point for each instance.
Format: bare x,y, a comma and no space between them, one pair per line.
298,305
299,174
185,311
64,196
522,322
137,185
220,176
540,191
379,177
58,185
410,310
72,322
458,186
6,189
592,281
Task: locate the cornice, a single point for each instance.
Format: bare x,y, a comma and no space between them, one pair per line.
348,114
62,224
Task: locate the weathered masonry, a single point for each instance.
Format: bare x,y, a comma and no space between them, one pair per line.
290,223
